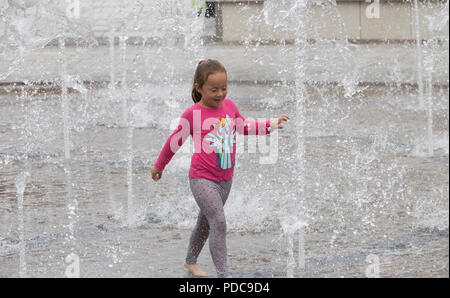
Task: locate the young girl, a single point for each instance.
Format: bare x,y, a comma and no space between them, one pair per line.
212,122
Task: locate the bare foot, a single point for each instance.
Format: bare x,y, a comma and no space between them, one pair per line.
229,276
195,270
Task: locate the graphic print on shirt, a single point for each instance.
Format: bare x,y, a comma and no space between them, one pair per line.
222,137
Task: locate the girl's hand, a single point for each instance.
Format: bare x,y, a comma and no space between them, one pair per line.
274,124
156,174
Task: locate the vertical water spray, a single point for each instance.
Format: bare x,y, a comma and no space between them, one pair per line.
300,45
20,184
294,15
112,94
193,41
350,79
436,25
129,129
419,55
137,9
291,226
428,63
64,95
290,267
72,203
112,69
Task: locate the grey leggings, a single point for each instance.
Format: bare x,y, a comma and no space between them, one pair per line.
210,197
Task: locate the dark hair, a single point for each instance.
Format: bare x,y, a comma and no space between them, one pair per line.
204,69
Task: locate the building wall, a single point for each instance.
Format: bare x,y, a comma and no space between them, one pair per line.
235,21
97,19
245,20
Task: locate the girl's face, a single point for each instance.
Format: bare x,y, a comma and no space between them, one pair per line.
213,91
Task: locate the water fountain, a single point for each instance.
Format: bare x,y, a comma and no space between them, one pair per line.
297,16
419,54
20,186
360,171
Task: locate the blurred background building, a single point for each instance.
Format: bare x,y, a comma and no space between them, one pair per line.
233,21
363,20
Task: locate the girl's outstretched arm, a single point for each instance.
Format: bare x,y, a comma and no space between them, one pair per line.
173,144
250,127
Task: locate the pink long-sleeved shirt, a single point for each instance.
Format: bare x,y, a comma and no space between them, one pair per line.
214,135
